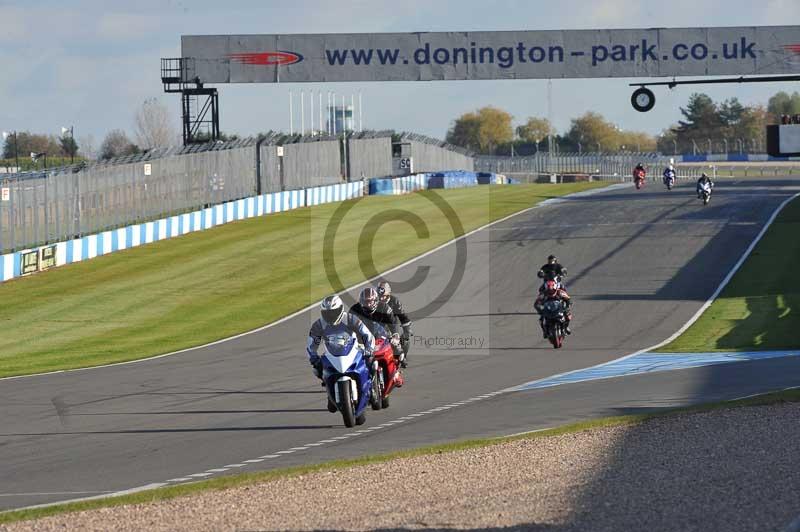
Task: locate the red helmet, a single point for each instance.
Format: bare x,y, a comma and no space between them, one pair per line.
550,288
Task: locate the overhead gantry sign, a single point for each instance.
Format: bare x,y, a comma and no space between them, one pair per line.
772,51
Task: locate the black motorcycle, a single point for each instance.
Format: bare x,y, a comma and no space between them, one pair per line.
555,322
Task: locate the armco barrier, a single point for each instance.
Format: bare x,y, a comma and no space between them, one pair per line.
397,185
453,179
91,246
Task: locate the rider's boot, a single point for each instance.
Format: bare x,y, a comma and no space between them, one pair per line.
331,406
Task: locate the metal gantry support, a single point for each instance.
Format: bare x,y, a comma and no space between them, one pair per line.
199,104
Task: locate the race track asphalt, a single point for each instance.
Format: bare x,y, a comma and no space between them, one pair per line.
641,264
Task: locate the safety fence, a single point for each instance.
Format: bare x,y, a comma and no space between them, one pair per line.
42,258
65,203
593,164
30,261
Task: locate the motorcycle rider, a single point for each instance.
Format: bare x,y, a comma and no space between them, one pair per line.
639,172
553,292
391,311
365,309
551,270
669,173
701,182
334,320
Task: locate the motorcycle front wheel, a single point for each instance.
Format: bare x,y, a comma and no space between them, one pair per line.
346,404
376,390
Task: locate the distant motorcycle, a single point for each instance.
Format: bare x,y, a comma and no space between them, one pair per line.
386,371
551,276
638,178
555,322
348,380
705,192
669,180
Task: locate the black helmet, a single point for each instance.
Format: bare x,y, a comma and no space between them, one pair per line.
332,310
384,290
552,259
369,300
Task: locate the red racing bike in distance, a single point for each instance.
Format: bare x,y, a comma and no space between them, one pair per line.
387,372
638,177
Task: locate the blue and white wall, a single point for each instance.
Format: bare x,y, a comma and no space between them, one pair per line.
92,246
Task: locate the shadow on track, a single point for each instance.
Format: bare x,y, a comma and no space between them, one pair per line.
170,431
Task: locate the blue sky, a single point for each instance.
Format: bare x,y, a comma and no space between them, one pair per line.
91,63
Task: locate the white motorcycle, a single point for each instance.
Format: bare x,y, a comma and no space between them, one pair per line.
705,192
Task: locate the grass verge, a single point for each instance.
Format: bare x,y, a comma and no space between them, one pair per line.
213,284
221,483
760,308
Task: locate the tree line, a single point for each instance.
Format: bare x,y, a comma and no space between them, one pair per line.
706,127
152,129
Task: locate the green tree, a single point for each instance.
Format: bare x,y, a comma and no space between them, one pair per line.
783,104
482,131
701,116
466,132
29,142
116,144
69,148
593,132
730,112
535,129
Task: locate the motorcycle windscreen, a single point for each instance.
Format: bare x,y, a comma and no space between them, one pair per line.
340,344
552,307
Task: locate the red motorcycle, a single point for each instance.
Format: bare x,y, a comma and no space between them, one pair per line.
638,177
387,370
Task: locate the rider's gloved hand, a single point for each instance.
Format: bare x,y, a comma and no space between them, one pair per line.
316,365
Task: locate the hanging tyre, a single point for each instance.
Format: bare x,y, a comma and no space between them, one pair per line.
643,99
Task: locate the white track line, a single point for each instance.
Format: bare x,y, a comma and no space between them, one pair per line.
545,203
686,325
453,405
472,400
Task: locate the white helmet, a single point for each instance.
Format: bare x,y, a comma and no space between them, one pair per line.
332,310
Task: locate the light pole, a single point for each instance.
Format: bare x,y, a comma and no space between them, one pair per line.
726,145
598,147
72,144
537,146
694,147
740,143
710,150
674,147
6,134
